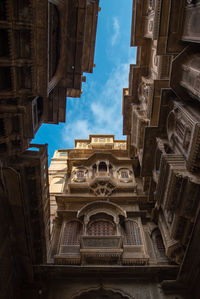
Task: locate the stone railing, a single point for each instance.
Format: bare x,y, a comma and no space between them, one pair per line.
101,250
95,242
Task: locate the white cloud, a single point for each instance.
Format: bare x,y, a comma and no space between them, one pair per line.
104,106
99,111
116,29
78,129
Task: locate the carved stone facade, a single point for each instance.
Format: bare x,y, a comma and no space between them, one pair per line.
45,46
161,120
24,214
101,225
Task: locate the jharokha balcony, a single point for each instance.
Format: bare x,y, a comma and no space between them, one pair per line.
101,244
101,233
101,249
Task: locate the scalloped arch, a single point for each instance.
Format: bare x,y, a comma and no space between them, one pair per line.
103,205
108,291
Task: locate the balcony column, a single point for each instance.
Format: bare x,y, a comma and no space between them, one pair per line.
86,221
97,163
117,225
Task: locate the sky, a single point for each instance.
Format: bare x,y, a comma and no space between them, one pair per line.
99,110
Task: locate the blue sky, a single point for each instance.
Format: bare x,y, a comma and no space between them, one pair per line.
99,110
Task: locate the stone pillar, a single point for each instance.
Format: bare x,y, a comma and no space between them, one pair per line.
86,221
97,166
116,219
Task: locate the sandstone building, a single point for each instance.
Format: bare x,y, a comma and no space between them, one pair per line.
158,197
161,118
110,218
103,241
45,47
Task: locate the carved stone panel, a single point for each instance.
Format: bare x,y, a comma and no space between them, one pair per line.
183,128
185,74
191,27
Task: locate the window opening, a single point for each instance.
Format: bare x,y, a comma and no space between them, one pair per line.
160,245
101,228
132,233
80,174
102,166
72,232
124,175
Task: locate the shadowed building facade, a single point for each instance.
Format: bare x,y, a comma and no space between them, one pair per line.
45,47
161,118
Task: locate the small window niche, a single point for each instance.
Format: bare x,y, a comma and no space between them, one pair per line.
125,175
79,175
102,167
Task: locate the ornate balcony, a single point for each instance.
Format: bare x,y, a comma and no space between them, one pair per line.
107,242
101,249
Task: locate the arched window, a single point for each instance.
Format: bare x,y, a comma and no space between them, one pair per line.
171,120
71,233
124,174
80,174
101,228
158,244
101,293
102,166
131,232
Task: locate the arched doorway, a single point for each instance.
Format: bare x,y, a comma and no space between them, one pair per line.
102,293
